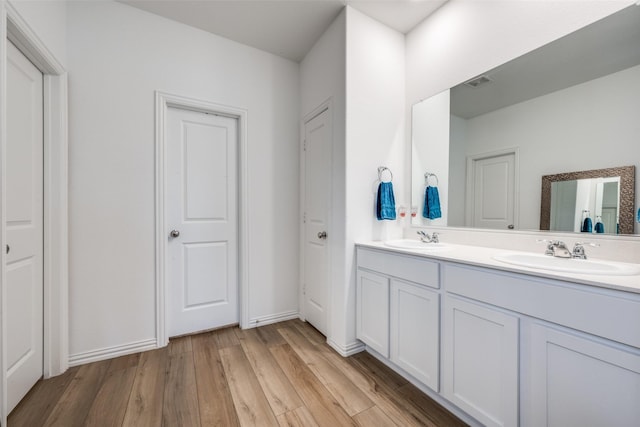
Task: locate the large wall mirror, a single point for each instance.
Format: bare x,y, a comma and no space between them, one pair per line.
568,107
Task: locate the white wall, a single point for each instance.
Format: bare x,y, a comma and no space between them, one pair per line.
117,57
375,137
563,132
47,18
430,153
322,77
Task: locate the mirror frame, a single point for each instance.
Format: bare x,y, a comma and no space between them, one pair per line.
627,194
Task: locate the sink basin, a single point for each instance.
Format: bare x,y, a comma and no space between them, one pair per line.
415,245
569,265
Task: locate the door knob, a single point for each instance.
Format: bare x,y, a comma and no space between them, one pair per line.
8,248
174,233
510,227
322,235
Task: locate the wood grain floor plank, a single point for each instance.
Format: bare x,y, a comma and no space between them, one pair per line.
231,378
110,404
311,333
373,417
279,391
214,397
250,402
37,405
269,334
75,403
321,404
179,345
352,399
226,337
180,404
145,401
299,417
429,407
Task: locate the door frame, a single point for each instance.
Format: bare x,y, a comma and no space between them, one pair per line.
470,186
56,219
328,106
163,101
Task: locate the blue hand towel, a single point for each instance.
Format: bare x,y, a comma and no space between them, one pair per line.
386,203
586,225
431,203
599,227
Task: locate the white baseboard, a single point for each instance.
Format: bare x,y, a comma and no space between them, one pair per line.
111,352
273,318
348,350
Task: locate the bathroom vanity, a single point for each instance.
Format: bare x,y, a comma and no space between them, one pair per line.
506,345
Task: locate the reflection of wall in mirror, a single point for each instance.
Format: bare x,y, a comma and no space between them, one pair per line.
592,125
430,153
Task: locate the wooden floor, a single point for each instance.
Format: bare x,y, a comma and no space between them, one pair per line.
277,375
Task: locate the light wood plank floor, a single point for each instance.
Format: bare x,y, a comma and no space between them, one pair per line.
276,375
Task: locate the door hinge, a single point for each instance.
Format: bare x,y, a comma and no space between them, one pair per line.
304,218
304,145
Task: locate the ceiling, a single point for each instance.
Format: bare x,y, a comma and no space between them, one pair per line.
287,28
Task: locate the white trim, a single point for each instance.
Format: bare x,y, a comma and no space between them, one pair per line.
56,256
470,185
348,350
324,106
273,318
112,352
163,102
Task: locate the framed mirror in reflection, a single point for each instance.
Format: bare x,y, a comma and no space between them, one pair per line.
571,105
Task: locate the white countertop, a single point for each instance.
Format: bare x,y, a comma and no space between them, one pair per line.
483,257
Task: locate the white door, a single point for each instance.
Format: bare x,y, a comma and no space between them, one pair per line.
24,198
317,192
493,193
372,310
201,213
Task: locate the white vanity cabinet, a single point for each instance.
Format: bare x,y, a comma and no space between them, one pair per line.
398,311
504,348
415,320
580,380
372,308
480,361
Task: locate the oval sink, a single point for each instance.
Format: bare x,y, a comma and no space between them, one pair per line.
569,265
415,245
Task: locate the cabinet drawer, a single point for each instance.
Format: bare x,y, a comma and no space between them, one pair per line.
407,267
600,312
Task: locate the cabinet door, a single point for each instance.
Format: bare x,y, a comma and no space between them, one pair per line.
415,338
581,381
480,361
372,318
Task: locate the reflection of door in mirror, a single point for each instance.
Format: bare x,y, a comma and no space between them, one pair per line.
491,190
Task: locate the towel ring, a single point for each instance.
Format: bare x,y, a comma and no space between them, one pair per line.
381,170
428,175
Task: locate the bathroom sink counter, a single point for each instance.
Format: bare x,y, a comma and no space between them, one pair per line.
483,257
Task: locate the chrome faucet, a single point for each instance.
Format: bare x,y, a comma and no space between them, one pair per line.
578,250
557,248
426,238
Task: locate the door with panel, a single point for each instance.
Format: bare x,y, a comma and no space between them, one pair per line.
492,191
24,210
201,211
317,157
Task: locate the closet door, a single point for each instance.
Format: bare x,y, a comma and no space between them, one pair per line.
24,197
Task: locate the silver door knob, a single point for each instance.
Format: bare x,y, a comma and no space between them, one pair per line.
174,233
322,235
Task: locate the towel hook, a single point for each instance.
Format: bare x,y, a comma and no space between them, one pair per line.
381,170
428,175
